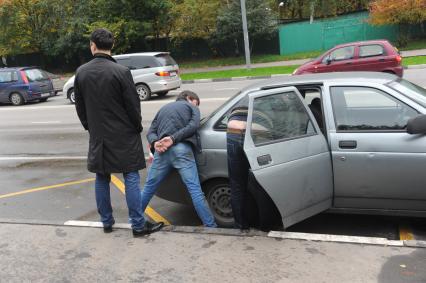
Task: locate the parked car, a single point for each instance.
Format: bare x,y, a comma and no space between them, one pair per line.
153,73
23,84
335,141
373,55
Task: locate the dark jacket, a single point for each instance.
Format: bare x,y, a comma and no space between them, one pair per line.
180,120
109,108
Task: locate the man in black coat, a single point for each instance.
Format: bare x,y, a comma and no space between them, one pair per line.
109,108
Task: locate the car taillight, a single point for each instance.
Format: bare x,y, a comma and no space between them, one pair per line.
398,59
24,77
163,74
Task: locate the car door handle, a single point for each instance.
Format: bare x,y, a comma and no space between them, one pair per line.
349,63
264,159
381,60
347,144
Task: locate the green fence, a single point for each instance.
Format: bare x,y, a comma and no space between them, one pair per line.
324,34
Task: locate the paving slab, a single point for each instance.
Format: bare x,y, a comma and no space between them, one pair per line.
49,253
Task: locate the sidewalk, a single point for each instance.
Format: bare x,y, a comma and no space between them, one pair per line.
420,52
49,253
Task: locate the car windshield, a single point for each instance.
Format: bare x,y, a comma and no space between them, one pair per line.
407,88
35,75
165,60
205,119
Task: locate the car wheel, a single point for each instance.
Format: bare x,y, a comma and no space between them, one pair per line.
16,99
389,72
162,94
72,96
219,199
43,100
144,92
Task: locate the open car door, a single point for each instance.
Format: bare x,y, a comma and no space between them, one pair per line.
288,154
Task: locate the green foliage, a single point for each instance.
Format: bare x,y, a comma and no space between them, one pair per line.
261,21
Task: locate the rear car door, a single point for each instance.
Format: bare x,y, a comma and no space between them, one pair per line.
377,164
288,155
371,57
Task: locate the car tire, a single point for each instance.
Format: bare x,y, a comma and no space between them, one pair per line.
43,100
16,99
162,94
71,96
144,92
218,194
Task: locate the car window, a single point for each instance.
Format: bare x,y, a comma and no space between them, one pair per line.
343,53
126,63
279,116
34,75
143,62
368,109
409,89
9,76
371,50
165,60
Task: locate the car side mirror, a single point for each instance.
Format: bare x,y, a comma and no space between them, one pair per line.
328,61
417,125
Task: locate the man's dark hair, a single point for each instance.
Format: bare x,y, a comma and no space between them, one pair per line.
103,39
188,94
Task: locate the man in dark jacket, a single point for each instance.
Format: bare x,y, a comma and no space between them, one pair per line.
109,108
172,134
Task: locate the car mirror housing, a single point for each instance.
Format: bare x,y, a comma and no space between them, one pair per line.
328,61
417,125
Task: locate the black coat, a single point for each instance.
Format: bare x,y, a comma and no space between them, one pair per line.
109,108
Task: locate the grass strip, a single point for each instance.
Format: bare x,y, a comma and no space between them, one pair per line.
417,60
240,73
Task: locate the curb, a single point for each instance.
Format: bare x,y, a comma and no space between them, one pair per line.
278,235
233,79
420,66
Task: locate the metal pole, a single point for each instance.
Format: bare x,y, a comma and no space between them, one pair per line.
245,32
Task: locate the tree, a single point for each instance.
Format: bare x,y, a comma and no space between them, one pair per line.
261,22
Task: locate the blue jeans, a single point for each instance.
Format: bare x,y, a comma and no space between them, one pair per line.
238,170
133,199
180,157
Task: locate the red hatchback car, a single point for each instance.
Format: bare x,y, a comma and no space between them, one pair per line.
372,55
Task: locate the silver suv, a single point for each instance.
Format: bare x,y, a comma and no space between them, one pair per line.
153,72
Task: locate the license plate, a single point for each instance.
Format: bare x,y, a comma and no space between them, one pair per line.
45,94
172,74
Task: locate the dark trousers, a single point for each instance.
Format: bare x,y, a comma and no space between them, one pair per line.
238,170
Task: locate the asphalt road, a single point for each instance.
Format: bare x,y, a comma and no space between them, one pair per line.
43,174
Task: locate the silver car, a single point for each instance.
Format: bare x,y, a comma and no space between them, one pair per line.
336,141
153,73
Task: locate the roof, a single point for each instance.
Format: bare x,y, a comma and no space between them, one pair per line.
17,68
377,41
375,77
140,54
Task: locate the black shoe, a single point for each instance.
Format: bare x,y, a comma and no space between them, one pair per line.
148,228
108,229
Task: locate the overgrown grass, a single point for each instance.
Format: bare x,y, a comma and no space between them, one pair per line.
414,60
240,73
219,62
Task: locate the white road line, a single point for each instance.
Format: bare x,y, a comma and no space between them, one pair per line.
335,238
47,122
11,158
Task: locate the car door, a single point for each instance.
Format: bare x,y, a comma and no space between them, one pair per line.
288,155
338,60
377,165
372,57
8,80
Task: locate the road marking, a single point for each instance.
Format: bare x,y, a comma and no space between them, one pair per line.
335,238
47,122
47,188
405,233
94,224
149,211
229,88
11,158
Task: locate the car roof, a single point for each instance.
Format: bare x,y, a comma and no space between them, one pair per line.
319,79
379,41
140,54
